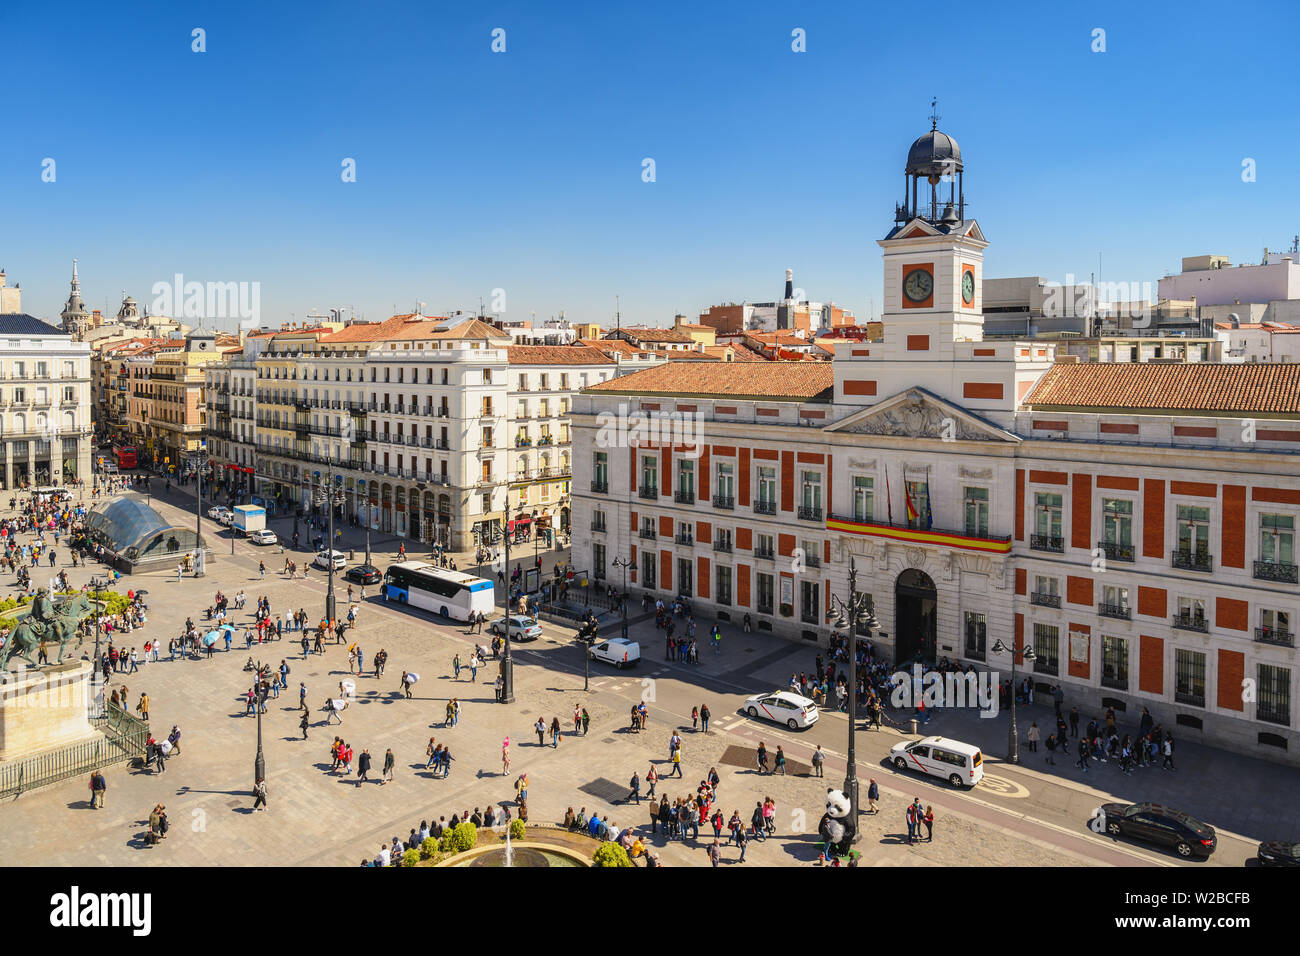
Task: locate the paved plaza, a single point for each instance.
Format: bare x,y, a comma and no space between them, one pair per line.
1031,814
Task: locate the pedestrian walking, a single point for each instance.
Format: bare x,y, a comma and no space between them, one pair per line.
677,762
505,756
1168,762
259,794
363,765
1033,736
873,795
911,824
304,724
540,729
1051,749
762,757
1083,756
389,763
818,759
635,792
704,717
652,778
780,761
98,787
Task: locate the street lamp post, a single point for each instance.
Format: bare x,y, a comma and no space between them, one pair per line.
1013,734
849,615
623,563
259,763
329,550
198,514
507,662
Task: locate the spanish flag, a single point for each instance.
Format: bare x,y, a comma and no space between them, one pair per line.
912,513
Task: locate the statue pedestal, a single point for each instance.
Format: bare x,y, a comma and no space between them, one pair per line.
46,708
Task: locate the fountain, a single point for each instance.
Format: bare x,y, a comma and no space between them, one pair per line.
509,852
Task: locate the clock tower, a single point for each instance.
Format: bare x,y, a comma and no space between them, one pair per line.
933,258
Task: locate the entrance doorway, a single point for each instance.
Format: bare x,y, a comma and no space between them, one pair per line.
915,601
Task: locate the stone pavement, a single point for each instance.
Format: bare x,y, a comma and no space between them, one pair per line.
316,818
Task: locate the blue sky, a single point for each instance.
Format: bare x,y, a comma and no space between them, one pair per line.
522,170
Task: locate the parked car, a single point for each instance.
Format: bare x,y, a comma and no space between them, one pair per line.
1153,823
364,574
262,536
783,707
962,765
323,559
521,628
217,512
617,651
1278,853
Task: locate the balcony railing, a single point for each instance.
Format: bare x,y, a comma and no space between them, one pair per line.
766,554
600,487
648,533
1116,552
1191,622
1047,542
1187,559
724,501
810,513
1114,683
812,561
1045,600
722,545
1276,571
685,539
597,525
1121,611
1273,715
762,507
684,497
649,492
1274,635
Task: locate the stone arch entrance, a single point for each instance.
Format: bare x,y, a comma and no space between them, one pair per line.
915,605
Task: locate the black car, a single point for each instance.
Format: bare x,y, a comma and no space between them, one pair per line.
1278,853
364,574
1153,823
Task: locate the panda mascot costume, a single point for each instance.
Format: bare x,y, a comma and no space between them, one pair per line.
837,830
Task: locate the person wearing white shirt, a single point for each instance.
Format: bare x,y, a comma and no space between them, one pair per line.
385,856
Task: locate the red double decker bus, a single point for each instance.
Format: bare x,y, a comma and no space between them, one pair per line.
125,456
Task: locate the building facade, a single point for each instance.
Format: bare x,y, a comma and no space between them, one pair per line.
1133,524
45,406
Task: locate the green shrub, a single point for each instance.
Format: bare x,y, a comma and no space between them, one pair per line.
611,854
410,858
517,828
114,602
429,848
458,840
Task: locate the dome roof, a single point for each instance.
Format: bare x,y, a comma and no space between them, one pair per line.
935,153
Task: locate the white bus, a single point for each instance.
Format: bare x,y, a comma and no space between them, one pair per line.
452,594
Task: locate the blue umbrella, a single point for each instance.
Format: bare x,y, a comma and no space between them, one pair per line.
210,638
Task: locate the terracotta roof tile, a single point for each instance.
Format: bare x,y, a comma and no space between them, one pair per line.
1184,387
781,381
556,355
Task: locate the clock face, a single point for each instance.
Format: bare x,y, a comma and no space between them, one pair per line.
918,285
968,287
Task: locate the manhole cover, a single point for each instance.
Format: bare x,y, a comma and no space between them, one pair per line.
606,790
747,757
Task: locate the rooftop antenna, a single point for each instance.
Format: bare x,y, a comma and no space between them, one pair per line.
618,317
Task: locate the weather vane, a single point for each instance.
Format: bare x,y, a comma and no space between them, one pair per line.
934,115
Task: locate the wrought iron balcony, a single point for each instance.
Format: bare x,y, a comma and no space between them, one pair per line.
600,487
1187,559
598,525
1121,611
1115,551
1276,571
1191,622
1044,599
762,507
722,545
684,497
1274,635
648,533
1114,683
766,554
649,492
685,539
1047,542
724,501
810,513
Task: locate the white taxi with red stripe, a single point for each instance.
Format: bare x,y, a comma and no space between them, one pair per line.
783,707
960,764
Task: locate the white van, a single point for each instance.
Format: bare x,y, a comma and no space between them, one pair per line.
616,651
960,764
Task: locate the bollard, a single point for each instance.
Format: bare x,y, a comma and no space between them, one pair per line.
914,730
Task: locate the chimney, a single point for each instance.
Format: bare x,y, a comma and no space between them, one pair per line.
789,284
